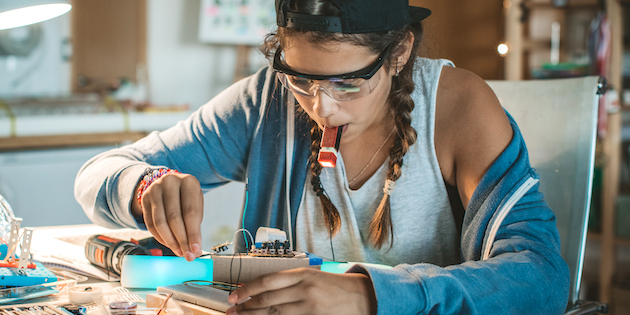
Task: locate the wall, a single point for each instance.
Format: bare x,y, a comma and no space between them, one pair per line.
43,72
181,69
466,32
39,185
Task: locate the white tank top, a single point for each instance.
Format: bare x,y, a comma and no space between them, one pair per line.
424,228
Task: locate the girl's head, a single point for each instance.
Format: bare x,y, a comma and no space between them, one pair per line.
349,63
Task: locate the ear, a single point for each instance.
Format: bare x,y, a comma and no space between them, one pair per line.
402,54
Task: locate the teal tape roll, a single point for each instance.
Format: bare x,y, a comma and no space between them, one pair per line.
153,271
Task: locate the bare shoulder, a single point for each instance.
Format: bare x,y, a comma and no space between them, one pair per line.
472,128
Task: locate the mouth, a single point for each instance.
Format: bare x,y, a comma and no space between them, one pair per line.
343,127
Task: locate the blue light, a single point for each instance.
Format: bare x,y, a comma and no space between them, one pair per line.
153,271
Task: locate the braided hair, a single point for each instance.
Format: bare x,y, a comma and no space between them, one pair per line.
401,106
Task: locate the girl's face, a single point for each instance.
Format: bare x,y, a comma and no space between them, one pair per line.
357,115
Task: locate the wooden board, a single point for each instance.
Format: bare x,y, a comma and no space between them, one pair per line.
156,300
67,141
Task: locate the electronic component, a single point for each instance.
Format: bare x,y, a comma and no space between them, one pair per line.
271,242
26,276
241,268
271,252
329,146
107,253
9,259
220,247
272,249
21,271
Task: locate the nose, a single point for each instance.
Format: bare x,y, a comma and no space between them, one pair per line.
324,105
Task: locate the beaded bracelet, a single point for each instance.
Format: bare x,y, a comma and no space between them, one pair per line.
150,176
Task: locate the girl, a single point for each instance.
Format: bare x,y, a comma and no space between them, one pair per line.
431,174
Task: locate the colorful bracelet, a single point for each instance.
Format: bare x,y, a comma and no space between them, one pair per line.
150,176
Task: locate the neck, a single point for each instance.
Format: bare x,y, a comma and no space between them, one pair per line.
364,156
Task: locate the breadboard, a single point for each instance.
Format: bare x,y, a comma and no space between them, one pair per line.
23,277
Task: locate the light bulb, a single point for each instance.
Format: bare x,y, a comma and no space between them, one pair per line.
502,49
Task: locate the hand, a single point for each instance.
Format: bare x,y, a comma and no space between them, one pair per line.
172,208
305,291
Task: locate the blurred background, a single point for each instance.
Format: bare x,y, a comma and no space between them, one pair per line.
106,73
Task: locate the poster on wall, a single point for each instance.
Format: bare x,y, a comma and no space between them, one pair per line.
237,22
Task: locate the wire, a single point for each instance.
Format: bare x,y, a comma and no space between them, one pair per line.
245,211
250,236
330,231
240,264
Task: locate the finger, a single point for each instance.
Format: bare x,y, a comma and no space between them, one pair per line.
267,299
173,213
268,282
289,308
147,214
192,211
160,222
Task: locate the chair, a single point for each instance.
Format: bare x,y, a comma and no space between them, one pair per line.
558,120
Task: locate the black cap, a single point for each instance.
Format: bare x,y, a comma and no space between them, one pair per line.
357,16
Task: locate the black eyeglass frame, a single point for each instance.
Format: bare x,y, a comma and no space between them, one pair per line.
365,73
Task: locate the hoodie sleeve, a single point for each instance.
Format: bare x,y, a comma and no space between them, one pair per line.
211,144
523,272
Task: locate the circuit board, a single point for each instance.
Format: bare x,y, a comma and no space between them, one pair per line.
26,276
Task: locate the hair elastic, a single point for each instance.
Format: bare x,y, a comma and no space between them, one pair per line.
389,187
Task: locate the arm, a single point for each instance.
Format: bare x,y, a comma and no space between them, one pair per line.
471,129
524,272
210,146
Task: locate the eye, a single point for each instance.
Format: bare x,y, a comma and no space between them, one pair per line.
347,86
297,81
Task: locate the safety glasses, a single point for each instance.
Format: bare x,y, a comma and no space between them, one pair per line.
341,87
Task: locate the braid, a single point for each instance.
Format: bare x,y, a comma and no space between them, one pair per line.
402,104
331,214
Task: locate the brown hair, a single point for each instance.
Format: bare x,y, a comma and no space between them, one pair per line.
401,105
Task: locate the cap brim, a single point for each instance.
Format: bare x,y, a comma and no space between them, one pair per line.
418,13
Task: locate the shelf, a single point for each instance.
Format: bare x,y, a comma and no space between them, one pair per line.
67,141
515,69
570,4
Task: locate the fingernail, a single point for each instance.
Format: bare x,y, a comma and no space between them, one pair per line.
233,298
231,311
178,252
190,256
195,248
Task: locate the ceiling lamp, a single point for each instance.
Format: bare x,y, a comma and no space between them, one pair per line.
16,13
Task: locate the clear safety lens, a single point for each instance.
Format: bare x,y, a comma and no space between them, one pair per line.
338,89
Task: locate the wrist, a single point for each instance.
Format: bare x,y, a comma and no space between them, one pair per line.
149,177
